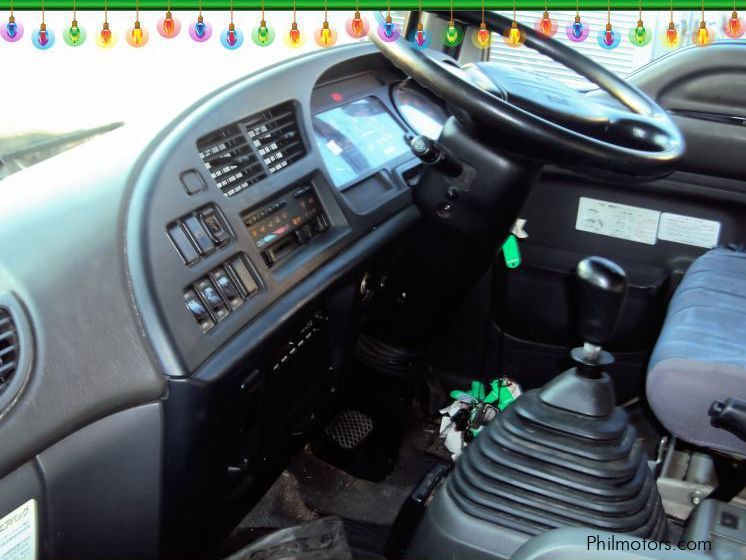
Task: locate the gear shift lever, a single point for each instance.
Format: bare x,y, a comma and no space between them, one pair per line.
586,389
602,285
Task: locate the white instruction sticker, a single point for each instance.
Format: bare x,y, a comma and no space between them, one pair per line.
617,220
18,533
689,230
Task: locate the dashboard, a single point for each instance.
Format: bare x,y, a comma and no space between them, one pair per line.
247,199
194,284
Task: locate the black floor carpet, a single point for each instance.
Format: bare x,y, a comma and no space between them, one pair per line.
310,488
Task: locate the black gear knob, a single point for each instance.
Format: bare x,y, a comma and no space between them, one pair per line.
602,285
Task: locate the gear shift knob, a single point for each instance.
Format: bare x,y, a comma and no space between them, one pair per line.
602,285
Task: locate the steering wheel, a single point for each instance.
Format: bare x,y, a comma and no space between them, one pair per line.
544,118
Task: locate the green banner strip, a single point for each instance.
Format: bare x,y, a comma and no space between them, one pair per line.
585,5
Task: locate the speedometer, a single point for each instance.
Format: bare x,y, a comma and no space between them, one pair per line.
420,112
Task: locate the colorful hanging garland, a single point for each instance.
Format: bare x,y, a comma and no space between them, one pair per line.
482,38
513,36
389,31
671,36
638,35
419,38
546,25
168,26
262,35
608,38
577,31
326,35
734,27
105,38
74,35
231,37
137,35
200,30
703,35
11,31
357,26
42,38
453,34
294,38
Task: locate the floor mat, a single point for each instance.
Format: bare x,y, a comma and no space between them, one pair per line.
310,488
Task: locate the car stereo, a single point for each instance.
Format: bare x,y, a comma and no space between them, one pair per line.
286,223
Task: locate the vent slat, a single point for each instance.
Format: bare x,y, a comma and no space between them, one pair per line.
277,138
6,371
8,349
11,349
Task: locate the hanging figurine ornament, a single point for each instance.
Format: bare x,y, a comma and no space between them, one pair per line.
671,38
105,38
453,34
326,35
577,31
200,30
357,26
638,35
420,39
168,26
12,30
262,34
232,37
42,38
137,35
546,25
388,31
74,35
608,38
734,26
703,35
513,36
481,37
294,38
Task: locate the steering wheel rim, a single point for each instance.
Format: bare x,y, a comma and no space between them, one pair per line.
558,143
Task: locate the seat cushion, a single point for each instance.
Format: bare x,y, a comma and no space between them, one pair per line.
700,355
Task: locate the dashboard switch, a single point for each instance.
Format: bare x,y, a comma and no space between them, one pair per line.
212,298
198,310
227,287
244,277
185,248
200,236
214,226
193,182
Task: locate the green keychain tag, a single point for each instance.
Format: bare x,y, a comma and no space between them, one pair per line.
511,252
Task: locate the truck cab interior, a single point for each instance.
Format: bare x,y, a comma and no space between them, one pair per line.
249,322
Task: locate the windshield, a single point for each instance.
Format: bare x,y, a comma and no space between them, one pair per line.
624,59
63,96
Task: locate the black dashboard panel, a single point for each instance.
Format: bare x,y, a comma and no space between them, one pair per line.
222,184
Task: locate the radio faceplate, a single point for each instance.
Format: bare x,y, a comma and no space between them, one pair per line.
284,224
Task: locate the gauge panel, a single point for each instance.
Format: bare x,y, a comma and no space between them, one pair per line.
419,109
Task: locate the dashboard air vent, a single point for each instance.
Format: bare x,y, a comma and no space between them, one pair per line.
8,350
247,151
276,137
230,159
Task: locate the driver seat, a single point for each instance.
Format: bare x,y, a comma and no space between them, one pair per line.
700,356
